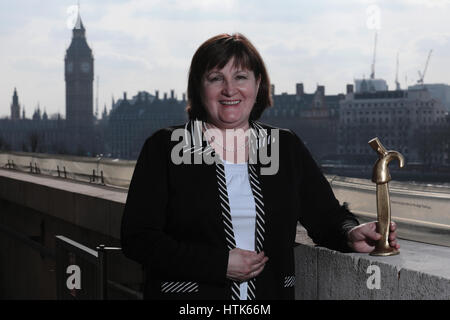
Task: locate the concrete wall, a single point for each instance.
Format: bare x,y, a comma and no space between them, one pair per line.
42,207
420,271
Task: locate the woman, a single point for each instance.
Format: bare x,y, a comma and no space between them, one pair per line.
226,229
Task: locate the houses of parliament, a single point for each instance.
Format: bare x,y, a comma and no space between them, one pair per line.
118,134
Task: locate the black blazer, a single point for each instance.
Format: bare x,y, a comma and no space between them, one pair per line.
173,225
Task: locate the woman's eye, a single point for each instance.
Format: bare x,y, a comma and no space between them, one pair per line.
214,79
241,77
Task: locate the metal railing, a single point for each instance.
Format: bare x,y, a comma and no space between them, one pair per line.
86,279
81,272
95,170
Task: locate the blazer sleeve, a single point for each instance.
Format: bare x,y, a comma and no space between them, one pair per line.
142,230
326,221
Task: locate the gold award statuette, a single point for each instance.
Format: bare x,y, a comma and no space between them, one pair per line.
381,177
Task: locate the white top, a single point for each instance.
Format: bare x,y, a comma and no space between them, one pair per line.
242,209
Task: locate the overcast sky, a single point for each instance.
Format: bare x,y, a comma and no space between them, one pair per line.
148,44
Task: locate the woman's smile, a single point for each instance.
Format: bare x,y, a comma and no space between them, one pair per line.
228,103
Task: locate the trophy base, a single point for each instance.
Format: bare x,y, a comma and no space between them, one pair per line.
384,252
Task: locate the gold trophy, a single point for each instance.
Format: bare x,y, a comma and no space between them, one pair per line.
381,177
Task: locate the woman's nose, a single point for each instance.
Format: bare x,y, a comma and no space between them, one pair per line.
228,89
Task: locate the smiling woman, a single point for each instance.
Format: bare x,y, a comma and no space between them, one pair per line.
206,230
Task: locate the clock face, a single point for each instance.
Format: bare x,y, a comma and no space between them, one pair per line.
85,66
70,67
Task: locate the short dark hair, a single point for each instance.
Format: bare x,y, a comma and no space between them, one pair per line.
216,52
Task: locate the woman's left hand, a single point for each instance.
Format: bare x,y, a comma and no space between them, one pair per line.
363,238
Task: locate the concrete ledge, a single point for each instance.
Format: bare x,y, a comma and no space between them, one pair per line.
92,207
420,271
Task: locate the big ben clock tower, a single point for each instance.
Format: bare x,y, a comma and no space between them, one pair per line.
79,77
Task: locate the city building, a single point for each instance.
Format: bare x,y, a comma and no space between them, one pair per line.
39,134
15,107
409,121
438,91
75,134
79,78
133,120
370,85
314,117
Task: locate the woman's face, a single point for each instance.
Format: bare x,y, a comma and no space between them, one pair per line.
229,95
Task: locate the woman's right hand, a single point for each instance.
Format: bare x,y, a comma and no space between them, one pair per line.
244,265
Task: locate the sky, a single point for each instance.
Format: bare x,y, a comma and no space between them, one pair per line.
148,44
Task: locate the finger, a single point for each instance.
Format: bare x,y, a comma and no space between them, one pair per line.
394,244
249,256
368,227
392,236
393,226
364,248
371,232
258,265
256,272
359,233
257,258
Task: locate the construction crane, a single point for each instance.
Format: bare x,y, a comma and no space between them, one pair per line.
397,84
372,74
422,75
